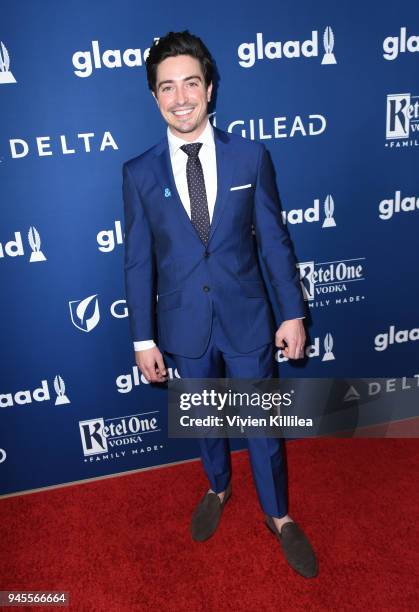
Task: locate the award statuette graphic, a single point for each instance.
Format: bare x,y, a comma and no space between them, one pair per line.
59,387
5,75
35,244
329,209
328,346
328,43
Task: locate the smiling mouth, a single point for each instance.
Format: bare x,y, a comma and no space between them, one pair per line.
183,112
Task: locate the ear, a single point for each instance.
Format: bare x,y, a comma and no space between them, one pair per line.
209,92
155,97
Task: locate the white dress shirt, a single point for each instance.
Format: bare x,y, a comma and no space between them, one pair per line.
178,160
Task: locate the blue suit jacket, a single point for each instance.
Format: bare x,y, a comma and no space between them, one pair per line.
165,258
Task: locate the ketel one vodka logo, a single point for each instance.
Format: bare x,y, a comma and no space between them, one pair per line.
312,214
40,394
5,75
85,313
99,436
402,120
13,248
331,279
314,350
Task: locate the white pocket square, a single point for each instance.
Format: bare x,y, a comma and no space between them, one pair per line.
241,187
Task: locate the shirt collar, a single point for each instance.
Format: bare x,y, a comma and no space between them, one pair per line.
207,139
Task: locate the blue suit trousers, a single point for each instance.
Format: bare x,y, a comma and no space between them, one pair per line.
267,455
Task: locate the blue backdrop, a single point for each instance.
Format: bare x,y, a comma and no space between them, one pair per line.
331,88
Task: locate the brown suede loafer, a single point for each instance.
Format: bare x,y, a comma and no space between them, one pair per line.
296,547
207,515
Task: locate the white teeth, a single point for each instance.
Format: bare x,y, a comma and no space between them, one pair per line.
183,112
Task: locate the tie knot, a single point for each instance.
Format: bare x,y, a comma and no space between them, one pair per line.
192,149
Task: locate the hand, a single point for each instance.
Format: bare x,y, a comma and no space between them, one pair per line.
151,364
293,333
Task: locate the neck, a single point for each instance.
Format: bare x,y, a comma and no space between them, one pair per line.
190,136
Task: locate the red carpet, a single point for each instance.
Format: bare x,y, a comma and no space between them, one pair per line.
123,543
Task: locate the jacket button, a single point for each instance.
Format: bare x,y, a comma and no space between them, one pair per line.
206,288
206,254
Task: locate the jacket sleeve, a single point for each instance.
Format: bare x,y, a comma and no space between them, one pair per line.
139,263
274,243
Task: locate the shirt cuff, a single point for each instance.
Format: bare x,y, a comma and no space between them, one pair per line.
143,345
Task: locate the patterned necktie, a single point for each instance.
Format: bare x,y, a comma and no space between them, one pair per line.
197,193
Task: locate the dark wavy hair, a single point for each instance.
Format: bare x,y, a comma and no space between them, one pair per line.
178,43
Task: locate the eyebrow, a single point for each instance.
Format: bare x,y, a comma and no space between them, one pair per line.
195,76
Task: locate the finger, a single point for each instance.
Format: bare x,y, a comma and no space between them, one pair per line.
147,373
279,341
292,348
154,378
160,369
150,372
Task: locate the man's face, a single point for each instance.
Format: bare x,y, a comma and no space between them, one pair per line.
182,95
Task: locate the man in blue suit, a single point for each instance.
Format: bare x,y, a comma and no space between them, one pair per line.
198,206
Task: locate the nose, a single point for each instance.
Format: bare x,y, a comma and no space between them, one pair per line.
181,97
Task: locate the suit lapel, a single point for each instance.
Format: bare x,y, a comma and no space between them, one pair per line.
225,166
163,171
164,174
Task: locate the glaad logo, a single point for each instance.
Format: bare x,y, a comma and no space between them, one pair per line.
384,340
313,350
331,277
107,239
14,248
248,53
3,455
393,45
85,313
126,382
283,127
111,58
402,120
99,436
40,394
5,75
387,208
83,317
20,147
312,215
